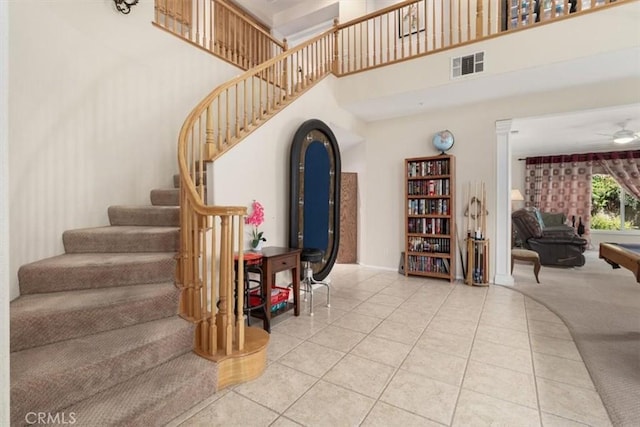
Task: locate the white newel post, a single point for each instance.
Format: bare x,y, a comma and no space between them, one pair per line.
503,200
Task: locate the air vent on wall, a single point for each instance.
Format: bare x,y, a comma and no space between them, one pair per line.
468,64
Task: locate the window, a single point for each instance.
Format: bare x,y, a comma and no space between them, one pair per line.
611,207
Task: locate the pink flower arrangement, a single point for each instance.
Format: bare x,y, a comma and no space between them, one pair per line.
256,219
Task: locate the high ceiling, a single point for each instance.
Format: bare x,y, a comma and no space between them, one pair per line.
578,131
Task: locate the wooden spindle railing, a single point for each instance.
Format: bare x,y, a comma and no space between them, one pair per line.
219,28
211,235
420,27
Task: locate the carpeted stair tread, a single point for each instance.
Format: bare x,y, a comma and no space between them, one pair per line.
41,319
165,197
144,215
153,398
89,271
67,372
122,238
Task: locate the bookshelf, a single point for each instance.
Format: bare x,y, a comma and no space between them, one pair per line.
430,240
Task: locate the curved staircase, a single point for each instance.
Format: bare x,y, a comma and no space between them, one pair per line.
95,335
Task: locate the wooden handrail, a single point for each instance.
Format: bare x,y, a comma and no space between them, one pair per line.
218,28
211,235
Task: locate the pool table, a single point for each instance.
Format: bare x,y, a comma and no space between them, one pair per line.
626,255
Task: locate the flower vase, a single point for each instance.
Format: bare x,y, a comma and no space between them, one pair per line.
257,246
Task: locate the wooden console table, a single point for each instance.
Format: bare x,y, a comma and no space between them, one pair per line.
275,260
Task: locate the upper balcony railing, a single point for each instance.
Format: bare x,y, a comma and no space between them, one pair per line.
219,28
419,27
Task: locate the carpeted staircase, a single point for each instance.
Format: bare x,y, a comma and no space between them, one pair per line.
95,334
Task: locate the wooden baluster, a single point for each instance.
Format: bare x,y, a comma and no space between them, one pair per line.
479,19
285,70
210,138
338,65
240,286
227,124
237,103
213,330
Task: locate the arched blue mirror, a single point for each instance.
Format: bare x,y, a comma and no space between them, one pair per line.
315,193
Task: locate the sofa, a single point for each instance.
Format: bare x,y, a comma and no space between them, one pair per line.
555,242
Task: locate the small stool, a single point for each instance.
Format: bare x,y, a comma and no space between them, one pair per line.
254,296
528,256
308,257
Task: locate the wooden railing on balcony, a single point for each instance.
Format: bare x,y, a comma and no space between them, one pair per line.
420,27
211,235
219,28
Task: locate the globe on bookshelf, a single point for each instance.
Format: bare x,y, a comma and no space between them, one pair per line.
443,140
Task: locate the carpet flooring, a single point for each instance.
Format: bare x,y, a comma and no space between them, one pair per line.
601,308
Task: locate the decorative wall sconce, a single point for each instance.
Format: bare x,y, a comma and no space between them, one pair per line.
124,6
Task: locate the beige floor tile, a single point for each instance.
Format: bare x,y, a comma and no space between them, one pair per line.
562,370
381,350
575,403
453,326
501,383
504,320
403,290
280,344
502,356
550,420
375,284
232,410
284,422
555,347
345,304
278,387
433,364
411,313
300,327
376,310
385,415
323,314
533,304
549,329
385,299
340,339
508,337
361,375
312,359
330,405
350,293
394,331
456,345
458,313
421,395
358,322
476,409
542,315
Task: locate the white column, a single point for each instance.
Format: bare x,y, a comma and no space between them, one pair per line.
4,214
503,201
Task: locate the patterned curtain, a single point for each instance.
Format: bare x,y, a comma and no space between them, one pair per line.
623,167
560,184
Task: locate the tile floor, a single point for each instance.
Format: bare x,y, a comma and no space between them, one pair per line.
396,351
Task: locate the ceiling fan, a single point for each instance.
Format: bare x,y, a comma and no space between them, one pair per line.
624,135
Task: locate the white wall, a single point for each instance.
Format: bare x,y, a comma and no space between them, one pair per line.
258,168
390,141
549,46
4,215
96,100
